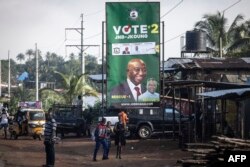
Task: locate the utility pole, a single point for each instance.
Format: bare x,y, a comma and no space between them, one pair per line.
81,47
37,96
82,56
0,78
9,75
79,30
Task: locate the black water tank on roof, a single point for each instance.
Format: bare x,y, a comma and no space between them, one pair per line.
196,41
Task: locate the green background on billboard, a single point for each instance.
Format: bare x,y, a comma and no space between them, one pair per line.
118,14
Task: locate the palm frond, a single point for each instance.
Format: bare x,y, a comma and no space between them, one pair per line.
66,78
238,44
235,23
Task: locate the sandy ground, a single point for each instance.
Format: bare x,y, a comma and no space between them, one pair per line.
74,152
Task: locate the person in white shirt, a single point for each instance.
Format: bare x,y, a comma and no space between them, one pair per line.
4,121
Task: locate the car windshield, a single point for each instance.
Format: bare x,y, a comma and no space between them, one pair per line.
37,115
64,113
169,113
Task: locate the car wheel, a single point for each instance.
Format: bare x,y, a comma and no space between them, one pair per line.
144,132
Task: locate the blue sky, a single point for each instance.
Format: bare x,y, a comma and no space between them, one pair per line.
26,22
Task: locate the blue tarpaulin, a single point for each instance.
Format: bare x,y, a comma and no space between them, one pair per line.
23,76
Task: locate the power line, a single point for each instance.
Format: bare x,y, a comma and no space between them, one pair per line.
174,38
94,13
172,9
230,6
95,35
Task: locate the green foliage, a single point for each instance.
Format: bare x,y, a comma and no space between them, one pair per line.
50,97
234,37
69,69
5,69
76,85
20,57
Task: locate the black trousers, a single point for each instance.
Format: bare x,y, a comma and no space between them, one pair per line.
50,153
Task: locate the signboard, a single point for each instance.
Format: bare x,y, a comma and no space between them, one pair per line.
133,54
30,104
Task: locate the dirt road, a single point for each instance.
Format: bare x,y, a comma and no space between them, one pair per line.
74,152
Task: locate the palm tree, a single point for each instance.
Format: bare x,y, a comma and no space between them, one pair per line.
73,86
76,85
20,57
50,97
215,26
29,52
72,56
241,45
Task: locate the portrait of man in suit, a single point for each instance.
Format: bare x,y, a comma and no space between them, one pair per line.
132,88
126,51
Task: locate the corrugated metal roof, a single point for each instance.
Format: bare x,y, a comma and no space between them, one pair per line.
177,61
246,59
207,63
97,77
229,93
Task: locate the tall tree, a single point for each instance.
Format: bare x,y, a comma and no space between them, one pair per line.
72,56
241,45
215,25
73,86
30,53
20,57
76,85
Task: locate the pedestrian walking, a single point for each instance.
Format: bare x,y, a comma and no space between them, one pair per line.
124,118
100,139
49,139
120,140
108,137
4,121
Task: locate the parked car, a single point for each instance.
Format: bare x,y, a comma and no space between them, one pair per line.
145,122
69,119
112,116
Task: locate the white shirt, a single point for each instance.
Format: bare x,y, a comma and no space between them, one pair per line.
132,88
147,96
4,119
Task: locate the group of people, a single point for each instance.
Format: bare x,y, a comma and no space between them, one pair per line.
103,133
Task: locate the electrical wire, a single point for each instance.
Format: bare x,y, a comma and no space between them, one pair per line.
94,13
172,9
174,38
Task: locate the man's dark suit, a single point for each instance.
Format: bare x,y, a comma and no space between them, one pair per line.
123,89
125,52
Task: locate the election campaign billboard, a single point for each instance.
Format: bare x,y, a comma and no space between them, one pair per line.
133,54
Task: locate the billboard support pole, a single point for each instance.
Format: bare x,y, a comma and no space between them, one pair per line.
163,102
103,67
163,60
